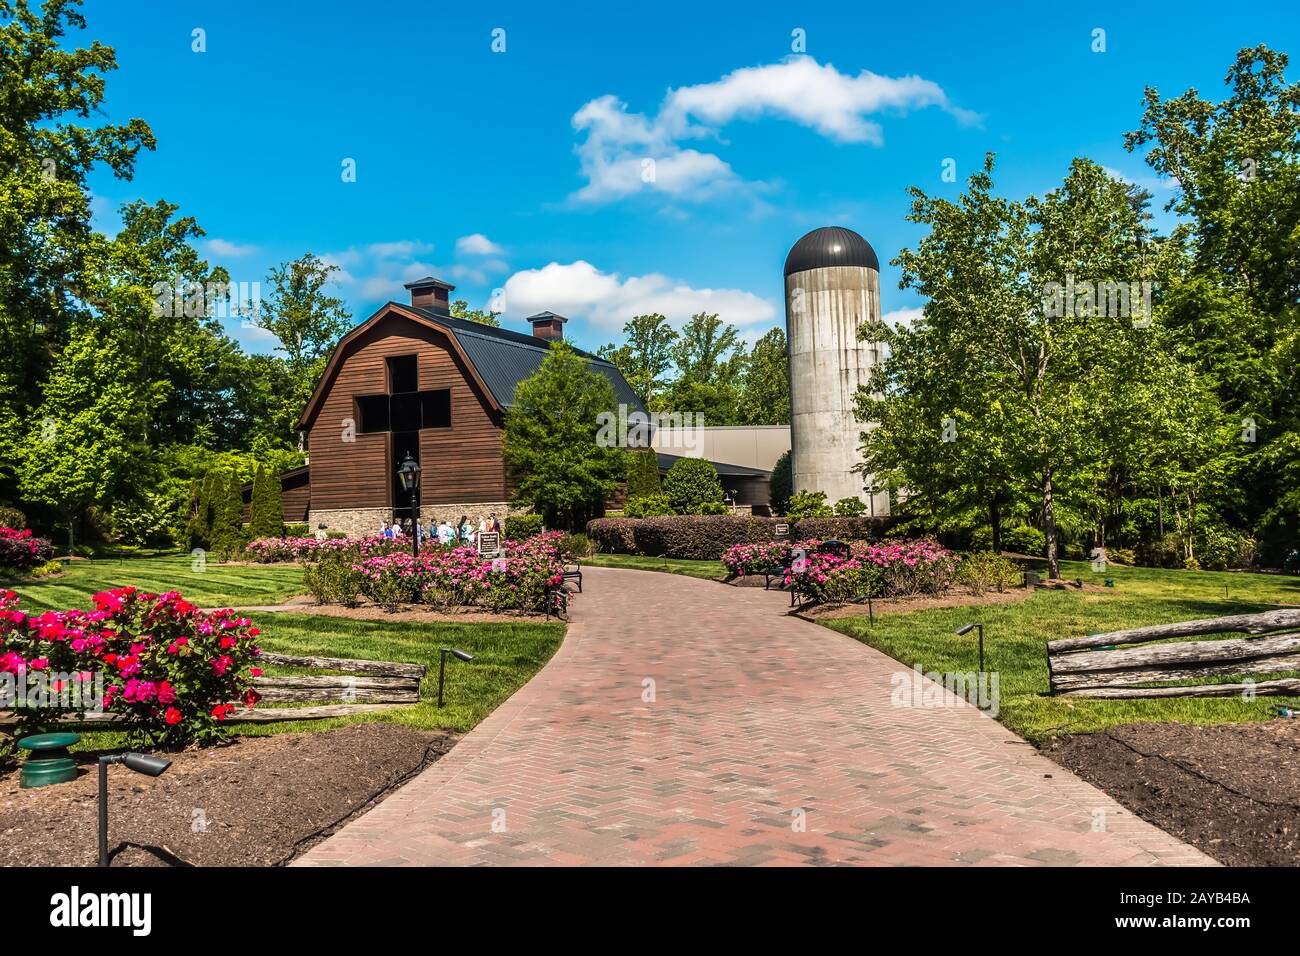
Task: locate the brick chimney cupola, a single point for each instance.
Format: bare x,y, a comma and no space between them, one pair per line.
548,325
432,294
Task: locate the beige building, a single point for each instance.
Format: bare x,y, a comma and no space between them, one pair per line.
750,446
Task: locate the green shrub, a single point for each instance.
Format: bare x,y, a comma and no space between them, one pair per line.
297,530
691,482
518,527
983,571
1291,563
47,570
1024,539
850,507
12,518
808,504
648,507
711,508
695,537
844,529
266,511
643,474
574,546
1220,548
782,484
1125,556
331,580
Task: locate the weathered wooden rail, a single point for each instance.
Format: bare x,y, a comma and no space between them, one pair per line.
1108,666
385,685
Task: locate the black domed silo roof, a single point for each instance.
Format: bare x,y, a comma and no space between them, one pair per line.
830,246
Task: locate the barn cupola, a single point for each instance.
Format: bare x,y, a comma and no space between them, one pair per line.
432,294
548,325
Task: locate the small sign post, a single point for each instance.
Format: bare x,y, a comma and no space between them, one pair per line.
782,530
489,543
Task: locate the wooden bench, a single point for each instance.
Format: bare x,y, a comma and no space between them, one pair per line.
574,575
1110,666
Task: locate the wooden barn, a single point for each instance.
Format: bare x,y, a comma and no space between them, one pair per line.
412,379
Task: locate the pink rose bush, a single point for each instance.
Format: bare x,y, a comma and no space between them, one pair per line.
309,550
22,551
174,672
519,578
883,569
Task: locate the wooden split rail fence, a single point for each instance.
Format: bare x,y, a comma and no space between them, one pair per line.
1108,666
365,686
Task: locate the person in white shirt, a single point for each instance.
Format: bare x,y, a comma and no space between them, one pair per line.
397,530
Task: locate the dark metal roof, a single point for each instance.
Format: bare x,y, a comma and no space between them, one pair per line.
429,281
830,246
504,358
547,316
666,461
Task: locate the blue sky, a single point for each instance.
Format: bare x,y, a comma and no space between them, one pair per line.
523,172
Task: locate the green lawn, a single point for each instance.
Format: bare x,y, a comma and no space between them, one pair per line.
712,570
506,655
1015,635
216,585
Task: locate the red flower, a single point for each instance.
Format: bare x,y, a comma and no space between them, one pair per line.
173,716
251,697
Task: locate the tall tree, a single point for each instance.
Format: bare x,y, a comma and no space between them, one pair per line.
307,321
710,363
49,88
765,389
552,445
645,355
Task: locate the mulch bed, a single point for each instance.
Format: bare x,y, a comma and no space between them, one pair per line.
1230,790
260,801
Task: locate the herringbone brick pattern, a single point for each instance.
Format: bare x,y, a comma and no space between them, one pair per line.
685,722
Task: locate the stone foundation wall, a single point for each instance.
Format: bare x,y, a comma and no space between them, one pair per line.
359,522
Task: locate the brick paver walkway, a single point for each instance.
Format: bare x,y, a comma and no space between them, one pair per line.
769,740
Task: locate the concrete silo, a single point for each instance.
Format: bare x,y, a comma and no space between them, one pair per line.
832,286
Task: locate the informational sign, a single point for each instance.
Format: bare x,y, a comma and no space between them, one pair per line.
782,530
489,543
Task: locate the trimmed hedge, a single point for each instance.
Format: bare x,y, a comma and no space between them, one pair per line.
707,537
695,537
844,529
518,527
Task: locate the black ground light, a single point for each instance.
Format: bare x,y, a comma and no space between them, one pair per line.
966,629
442,665
141,763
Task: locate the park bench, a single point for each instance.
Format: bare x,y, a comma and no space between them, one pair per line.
575,574
1112,666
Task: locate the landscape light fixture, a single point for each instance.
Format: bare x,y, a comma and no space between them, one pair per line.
442,665
966,629
146,764
409,474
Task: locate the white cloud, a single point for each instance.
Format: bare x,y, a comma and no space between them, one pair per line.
477,244
580,290
626,153
905,317
221,247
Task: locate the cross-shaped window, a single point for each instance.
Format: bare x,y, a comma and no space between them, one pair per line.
404,408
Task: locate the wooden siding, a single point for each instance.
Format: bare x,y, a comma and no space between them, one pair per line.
462,463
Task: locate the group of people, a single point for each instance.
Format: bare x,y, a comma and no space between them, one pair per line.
464,531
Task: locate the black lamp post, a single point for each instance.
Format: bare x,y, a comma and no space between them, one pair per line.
966,629
141,763
409,473
442,665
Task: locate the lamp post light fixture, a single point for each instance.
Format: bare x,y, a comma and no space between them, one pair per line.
146,764
409,474
966,629
442,665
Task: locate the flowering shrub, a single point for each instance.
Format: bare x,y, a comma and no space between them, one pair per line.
306,550
893,569
22,551
175,673
519,578
756,558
